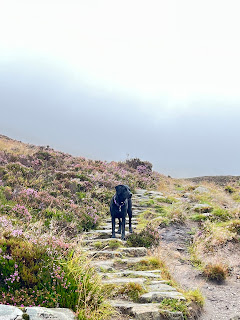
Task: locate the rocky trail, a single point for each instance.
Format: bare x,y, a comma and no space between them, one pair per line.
113,264
222,301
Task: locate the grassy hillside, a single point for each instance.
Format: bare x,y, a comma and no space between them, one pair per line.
48,199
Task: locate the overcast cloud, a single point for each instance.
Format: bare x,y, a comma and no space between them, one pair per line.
157,80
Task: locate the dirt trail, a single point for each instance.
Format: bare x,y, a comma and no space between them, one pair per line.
222,300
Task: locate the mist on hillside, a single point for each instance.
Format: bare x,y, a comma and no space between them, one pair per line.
44,105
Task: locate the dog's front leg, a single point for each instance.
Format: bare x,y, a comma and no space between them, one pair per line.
123,227
130,225
120,226
113,227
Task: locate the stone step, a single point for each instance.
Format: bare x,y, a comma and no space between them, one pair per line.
91,241
102,234
137,310
134,220
109,265
161,287
133,251
145,274
108,226
103,265
124,280
146,311
158,296
104,254
119,253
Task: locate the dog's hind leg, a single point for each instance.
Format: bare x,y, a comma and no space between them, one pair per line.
129,211
120,226
130,225
113,227
123,228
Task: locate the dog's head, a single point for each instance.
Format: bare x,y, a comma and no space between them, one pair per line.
123,192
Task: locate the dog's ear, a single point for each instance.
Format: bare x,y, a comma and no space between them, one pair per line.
119,188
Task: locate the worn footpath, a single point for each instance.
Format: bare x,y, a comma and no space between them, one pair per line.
113,265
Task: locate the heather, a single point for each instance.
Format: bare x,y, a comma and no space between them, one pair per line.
68,194
48,200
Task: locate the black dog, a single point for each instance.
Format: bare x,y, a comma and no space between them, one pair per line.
120,205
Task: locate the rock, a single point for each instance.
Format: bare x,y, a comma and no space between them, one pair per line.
145,274
154,193
105,254
40,313
237,317
134,252
130,260
10,313
156,296
201,190
161,287
172,315
124,280
106,265
137,310
145,311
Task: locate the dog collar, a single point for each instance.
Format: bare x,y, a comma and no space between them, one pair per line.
117,204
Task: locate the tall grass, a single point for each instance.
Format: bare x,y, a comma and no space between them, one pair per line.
88,291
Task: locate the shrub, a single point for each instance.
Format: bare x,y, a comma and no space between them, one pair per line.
215,272
174,305
230,189
136,162
149,263
146,238
33,274
132,290
114,244
220,214
234,226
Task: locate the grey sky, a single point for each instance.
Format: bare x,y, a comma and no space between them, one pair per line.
102,79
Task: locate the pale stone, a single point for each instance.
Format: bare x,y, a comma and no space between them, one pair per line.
124,280
201,190
10,313
105,254
145,274
156,296
134,252
40,313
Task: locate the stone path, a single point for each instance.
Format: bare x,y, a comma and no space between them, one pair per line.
113,265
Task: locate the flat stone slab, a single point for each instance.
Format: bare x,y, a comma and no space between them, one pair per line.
124,280
156,296
132,260
107,254
106,265
134,252
137,310
161,287
154,193
40,313
10,313
145,274
90,241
